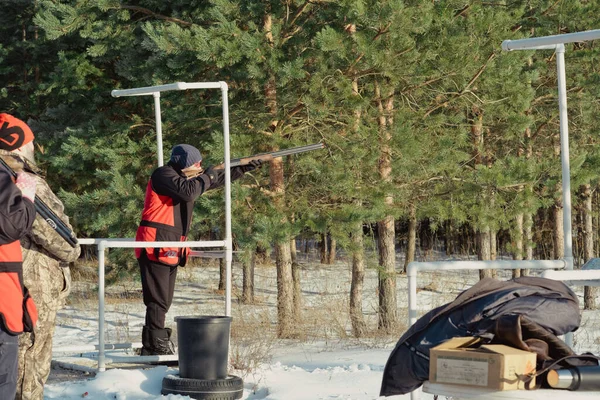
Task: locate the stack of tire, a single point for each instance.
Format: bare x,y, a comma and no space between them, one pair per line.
203,344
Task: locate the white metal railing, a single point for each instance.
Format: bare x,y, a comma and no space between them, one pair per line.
226,245
103,245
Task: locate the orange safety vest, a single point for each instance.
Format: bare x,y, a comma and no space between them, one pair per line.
18,313
160,223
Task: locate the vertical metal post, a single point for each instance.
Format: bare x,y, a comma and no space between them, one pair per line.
101,262
564,153
228,239
159,144
411,273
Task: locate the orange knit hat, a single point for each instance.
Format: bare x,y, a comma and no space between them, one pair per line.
14,133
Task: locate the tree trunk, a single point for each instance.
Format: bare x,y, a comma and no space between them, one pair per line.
324,248
559,233
248,279
357,320
283,258
449,238
412,236
528,217
557,210
385,227
297,281
332,251
484,251
359,327
493,244
518,243
222,275
589,292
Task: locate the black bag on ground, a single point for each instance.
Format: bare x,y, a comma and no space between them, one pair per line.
548,303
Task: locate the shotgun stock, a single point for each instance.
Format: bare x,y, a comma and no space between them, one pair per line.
269,156
48,215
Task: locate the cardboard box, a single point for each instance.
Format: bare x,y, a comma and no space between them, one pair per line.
494,367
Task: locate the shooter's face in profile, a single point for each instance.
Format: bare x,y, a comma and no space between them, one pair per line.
193,170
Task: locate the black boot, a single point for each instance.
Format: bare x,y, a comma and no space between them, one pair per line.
146,342
157,342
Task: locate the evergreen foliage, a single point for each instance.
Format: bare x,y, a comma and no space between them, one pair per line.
441,63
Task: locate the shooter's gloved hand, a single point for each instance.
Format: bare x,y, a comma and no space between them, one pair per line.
216,176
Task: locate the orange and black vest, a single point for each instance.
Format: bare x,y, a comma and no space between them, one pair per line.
167,213
17,310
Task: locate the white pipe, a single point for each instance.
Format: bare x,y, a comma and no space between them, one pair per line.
493,264
564,154
203,85
228,239
142,359
207,254
101,365
98,240
523,44
575,276
129,242
82,348
548,47
134,244
148,90
159,142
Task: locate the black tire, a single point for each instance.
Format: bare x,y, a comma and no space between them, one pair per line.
230,388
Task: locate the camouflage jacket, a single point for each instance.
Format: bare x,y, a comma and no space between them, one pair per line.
43,238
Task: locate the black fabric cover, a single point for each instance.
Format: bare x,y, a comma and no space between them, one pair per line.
549,303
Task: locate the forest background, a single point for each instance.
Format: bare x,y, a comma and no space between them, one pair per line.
432,132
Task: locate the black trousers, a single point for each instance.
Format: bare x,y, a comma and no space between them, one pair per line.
9,352
158,286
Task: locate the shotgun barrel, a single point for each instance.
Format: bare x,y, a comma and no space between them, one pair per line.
269,156
48,215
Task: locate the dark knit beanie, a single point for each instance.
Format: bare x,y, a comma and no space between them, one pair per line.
185,155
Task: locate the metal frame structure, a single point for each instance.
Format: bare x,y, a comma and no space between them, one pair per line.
155,91
556,43
104,244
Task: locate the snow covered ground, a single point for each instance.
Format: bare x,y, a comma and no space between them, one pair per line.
323,363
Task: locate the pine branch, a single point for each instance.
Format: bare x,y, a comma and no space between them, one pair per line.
287,34
153,14
466,88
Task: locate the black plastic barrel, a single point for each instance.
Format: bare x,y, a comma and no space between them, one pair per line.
203,343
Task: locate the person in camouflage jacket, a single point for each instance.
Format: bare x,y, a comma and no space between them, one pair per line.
46,273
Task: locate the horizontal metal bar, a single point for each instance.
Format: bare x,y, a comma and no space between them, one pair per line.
207,254
494,264
98,240
150,90
94,347
141,359
137,245
528,43
590,277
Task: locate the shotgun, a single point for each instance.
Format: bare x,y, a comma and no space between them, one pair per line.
47,214
269,156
